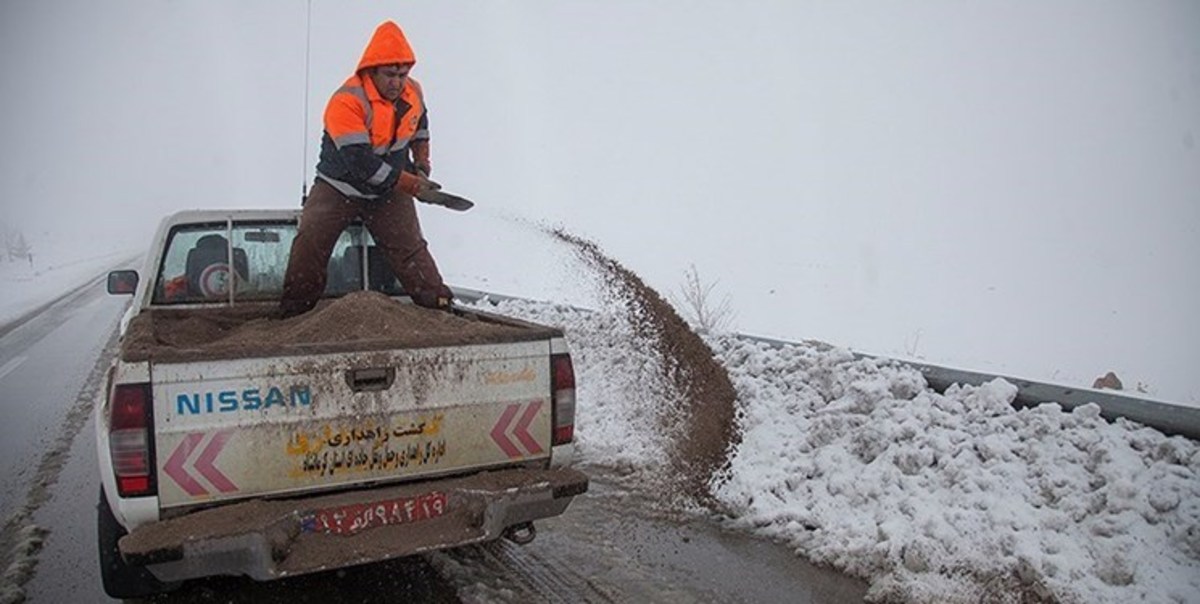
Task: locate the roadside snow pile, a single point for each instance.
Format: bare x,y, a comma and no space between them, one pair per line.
931,498
957,497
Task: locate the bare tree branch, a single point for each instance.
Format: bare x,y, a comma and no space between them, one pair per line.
696,304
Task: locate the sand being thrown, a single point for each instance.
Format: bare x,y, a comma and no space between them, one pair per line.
704,425
364,320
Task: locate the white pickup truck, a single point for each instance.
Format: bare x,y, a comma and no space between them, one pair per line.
232,442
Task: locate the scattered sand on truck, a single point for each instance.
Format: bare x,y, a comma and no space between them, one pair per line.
367,320
705,430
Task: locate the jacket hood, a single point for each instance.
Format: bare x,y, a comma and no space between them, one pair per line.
388,45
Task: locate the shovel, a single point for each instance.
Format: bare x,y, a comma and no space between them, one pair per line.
444,199
438,197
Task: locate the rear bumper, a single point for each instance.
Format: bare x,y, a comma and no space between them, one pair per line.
271,539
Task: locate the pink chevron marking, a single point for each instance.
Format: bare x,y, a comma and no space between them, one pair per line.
497,433
522,429
174,466
204,463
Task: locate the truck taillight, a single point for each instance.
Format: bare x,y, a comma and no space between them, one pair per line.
129,440
562,385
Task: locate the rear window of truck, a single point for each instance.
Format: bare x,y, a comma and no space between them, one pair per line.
246,261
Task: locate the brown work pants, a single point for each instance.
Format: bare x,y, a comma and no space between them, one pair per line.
394,225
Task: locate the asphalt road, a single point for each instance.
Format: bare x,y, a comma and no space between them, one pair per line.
608,547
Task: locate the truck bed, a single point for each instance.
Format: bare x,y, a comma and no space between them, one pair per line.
360,321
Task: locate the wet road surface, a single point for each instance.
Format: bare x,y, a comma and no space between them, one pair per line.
44,363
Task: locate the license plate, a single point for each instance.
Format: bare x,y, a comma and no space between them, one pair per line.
350,519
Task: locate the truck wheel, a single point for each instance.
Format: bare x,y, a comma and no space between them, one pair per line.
120,579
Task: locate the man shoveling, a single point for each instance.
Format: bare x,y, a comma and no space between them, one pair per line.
374,161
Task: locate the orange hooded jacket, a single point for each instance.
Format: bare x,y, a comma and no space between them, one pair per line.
366,141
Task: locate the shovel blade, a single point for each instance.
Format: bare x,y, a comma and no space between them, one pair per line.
448,200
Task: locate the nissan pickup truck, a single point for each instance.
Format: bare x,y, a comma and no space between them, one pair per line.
235,442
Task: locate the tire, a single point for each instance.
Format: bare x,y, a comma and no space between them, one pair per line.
120,579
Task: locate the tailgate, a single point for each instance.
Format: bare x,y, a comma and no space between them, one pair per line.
237,428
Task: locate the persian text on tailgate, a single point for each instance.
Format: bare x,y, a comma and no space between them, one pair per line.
391,457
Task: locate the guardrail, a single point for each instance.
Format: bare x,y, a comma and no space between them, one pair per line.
1166,417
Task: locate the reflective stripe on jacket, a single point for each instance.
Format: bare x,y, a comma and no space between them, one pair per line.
366,139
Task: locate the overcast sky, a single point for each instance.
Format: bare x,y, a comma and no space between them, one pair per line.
1012,186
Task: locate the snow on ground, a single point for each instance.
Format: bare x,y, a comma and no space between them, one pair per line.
26,285
954,497
958,497
28,542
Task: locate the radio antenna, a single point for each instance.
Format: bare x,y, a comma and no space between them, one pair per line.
304,159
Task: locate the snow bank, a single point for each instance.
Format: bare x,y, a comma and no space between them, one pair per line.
930,497
958,497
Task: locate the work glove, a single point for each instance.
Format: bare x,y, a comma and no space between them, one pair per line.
420,155
414,185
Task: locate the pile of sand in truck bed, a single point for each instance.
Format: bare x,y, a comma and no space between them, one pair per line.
358,321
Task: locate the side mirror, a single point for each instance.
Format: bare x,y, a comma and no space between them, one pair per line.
122,282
